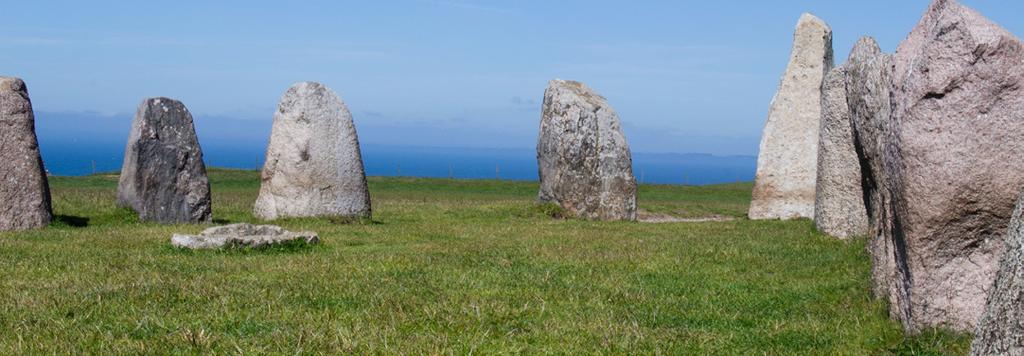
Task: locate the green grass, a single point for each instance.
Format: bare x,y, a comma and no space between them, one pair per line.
445,266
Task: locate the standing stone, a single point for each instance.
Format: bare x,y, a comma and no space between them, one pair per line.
163,177
869,85
24,191
787,163
314,166
953,166
839,204
583,157
1001,330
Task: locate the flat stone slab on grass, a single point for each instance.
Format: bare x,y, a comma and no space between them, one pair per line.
243,236
657,218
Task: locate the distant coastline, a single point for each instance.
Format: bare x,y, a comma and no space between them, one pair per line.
96,144
83,156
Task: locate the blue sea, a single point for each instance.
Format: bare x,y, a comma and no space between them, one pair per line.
77,144
80,158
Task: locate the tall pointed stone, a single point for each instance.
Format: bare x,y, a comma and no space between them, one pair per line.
787,163
583,157
313,165
24,190
1001,329
953,166
163,177
839,204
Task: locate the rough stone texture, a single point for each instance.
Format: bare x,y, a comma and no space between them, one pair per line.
839,204
869,85
1001,330
314,166
787,163
24,190
954,165
163,177
583,157
243,236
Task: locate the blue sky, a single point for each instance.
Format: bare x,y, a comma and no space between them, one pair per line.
685,76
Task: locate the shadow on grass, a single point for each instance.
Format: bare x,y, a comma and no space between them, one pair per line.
318,221
70,221
348,220
291,247
933,341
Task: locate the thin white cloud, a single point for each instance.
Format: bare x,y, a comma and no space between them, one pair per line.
662,49
348,54
468,5
329,50
31,41
130,41
659,70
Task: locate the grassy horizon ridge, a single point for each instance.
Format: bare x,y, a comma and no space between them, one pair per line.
445,266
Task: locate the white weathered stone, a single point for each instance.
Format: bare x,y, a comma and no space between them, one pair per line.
784,187
584,159
242,236
313,165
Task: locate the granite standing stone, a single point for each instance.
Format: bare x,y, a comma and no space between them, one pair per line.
953,166
1001,330
869,86
163,177
24,190
839,204
784,187
314,166
583,157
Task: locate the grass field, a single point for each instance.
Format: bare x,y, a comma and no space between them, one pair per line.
446,266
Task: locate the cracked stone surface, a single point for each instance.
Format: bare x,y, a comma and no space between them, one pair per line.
24,190
839,209
583,156
163,177
869,85
787,162
242,236
1001,330
952,165
314,166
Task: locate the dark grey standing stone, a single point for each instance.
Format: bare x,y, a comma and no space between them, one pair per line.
1001,330
839,203
163,177
24,190
583,157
